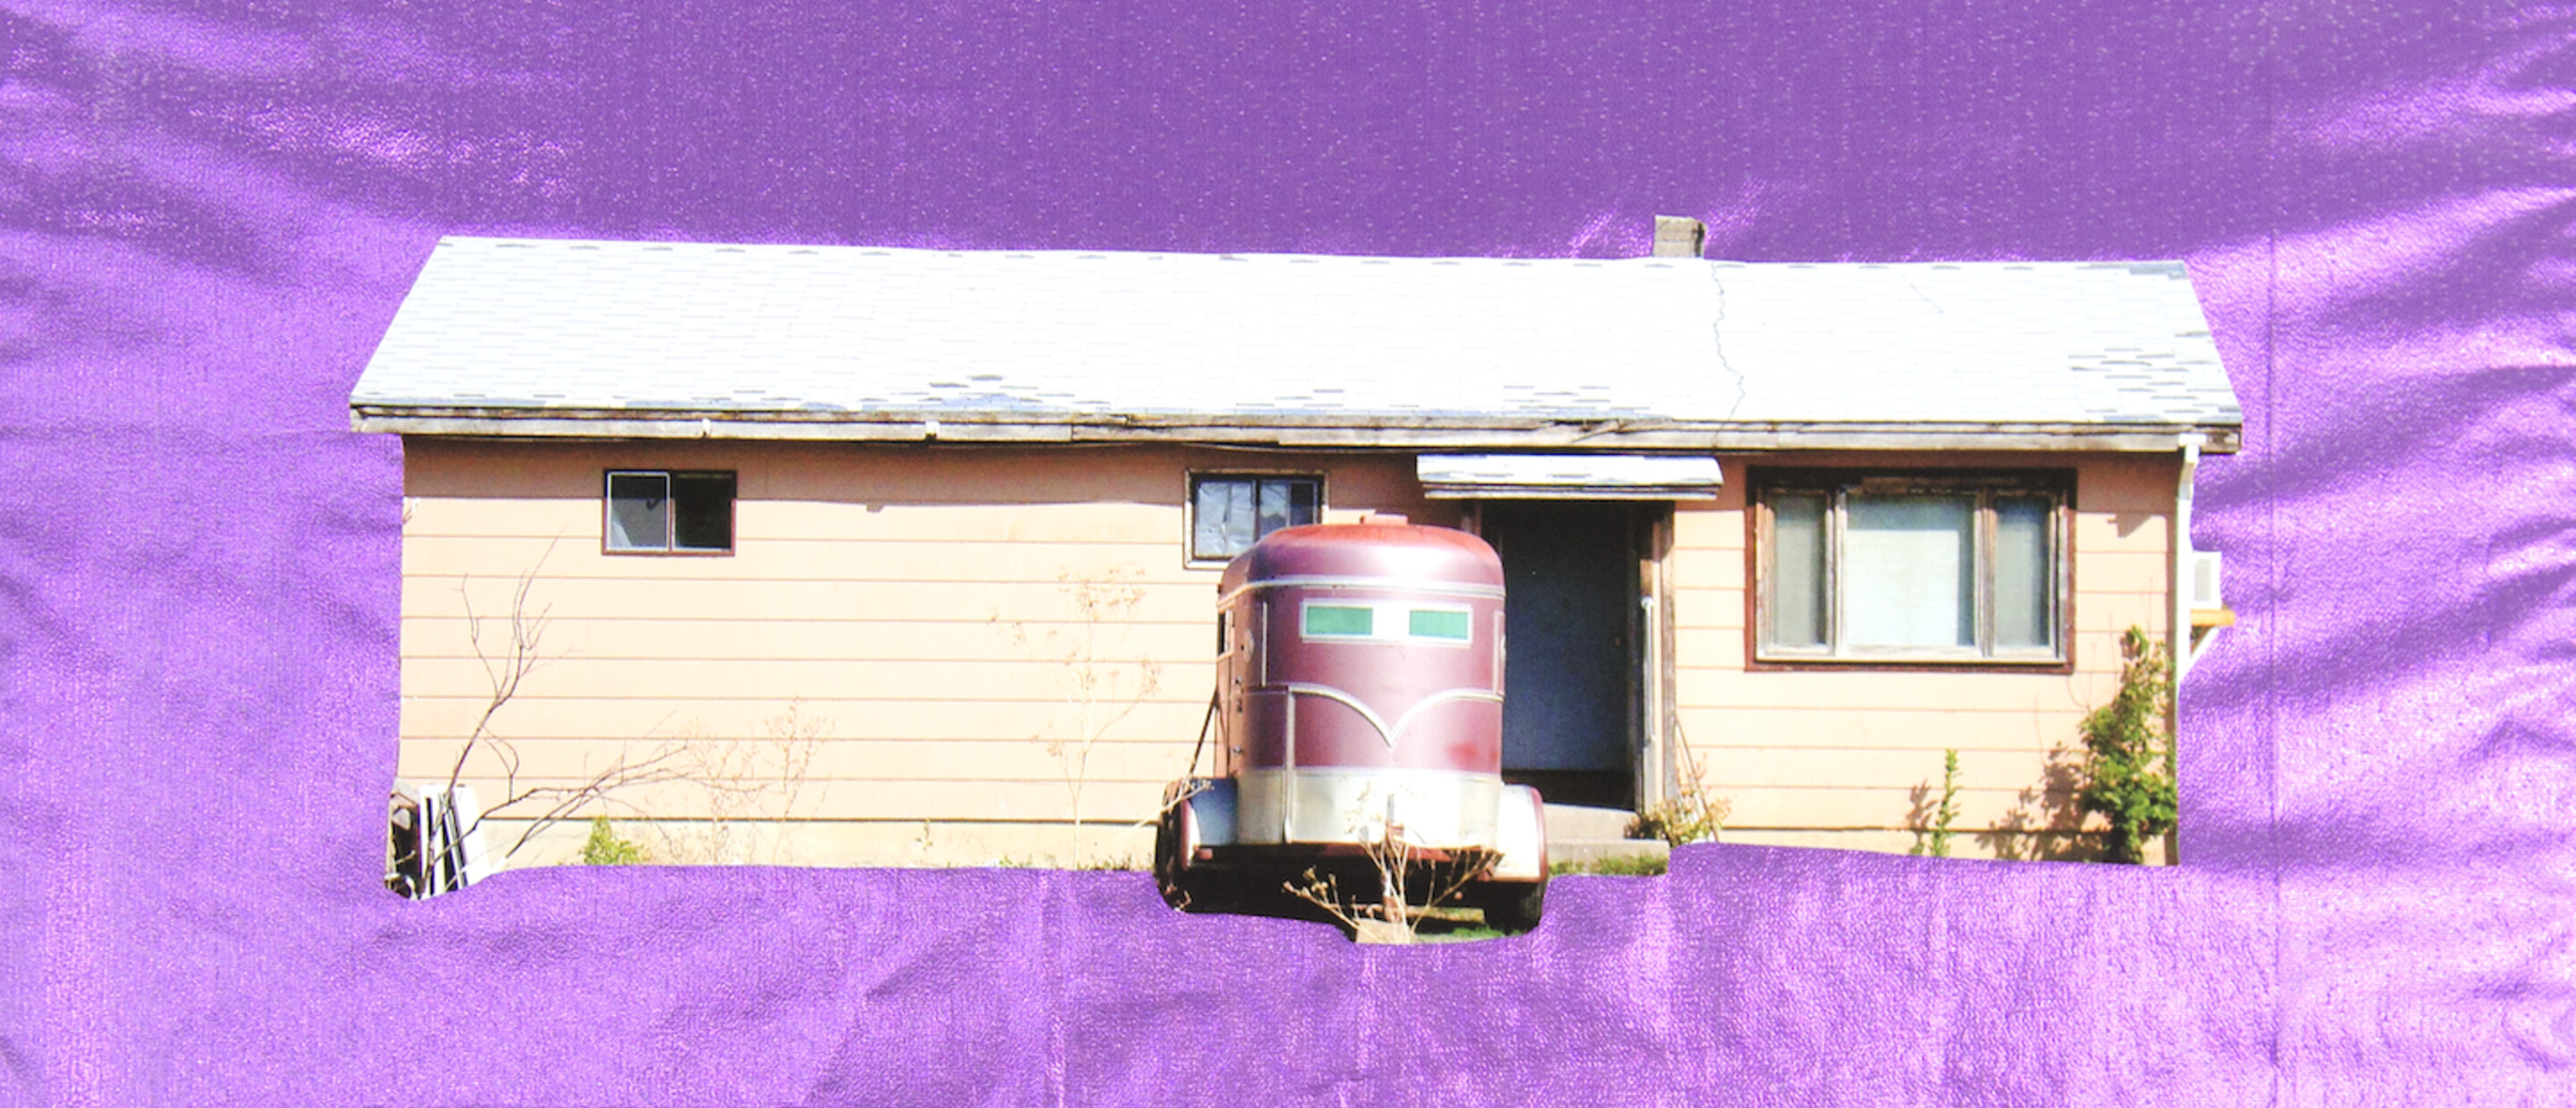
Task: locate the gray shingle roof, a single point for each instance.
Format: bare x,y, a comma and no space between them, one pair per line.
546,336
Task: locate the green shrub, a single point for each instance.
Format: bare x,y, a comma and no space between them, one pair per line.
2128,771
1935,840
606,849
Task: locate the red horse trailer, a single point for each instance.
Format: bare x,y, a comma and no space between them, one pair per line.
1359,699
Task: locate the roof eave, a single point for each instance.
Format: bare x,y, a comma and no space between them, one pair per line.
1440,431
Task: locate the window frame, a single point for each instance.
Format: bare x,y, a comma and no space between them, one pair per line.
1190,506
670,547
1837,485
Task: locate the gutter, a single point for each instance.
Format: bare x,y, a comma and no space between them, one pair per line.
1440,431
2190,443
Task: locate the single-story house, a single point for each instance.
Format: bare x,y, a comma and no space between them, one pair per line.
859,556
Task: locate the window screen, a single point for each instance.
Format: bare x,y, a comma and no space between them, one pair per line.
1908,575
1798,570
639,511
2025,574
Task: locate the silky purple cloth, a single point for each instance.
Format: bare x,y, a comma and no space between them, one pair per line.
210,216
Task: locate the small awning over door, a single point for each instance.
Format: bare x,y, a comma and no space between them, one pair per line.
1567,476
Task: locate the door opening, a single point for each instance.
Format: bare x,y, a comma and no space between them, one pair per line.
1571,706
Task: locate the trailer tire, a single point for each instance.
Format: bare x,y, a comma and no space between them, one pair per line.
1513,906
1169,879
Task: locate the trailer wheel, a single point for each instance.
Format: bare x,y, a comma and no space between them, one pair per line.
1513,906
1168,876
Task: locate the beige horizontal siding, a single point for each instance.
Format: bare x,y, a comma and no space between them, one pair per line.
955,716
648,637
566,596
905,799
1026,679
1713,609
921,609
1839,755
575,518
916,607
1736,731
1842,807
724,759
893,843
830,559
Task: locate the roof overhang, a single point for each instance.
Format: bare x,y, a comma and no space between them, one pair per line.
1344,431
1584,476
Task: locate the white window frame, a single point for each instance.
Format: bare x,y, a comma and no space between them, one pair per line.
1837,488
1190,520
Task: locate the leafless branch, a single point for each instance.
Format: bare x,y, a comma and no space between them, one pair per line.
1093,682
1395,860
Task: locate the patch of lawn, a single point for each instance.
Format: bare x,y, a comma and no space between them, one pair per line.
1625,865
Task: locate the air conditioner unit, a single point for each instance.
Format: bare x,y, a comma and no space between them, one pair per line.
2204,580
434,844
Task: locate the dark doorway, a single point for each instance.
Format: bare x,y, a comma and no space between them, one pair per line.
1570,676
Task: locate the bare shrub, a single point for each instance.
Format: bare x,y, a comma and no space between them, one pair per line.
487,755
752,788
1693,814
1100,691
742,779
1389,914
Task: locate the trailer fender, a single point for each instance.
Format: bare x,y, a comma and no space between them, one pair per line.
1520,834
1199,812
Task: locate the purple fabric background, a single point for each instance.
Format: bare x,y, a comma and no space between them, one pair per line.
208,216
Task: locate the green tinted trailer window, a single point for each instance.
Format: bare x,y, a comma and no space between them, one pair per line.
1432,623
1340,621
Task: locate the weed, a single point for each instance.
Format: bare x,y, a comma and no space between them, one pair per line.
606,849
1693,814
1934,841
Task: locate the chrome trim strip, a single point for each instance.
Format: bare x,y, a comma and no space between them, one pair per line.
1443,809
1494,592
1375,721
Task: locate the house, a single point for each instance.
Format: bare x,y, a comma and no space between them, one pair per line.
847,555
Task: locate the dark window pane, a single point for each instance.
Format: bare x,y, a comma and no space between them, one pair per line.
1798,571
639,511
1301,503
702,506
1907,573
2025,574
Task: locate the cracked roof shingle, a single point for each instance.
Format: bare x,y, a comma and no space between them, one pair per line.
549,326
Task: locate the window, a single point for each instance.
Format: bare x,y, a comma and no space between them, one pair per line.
1932,569
653,512
1230,513
1386,621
